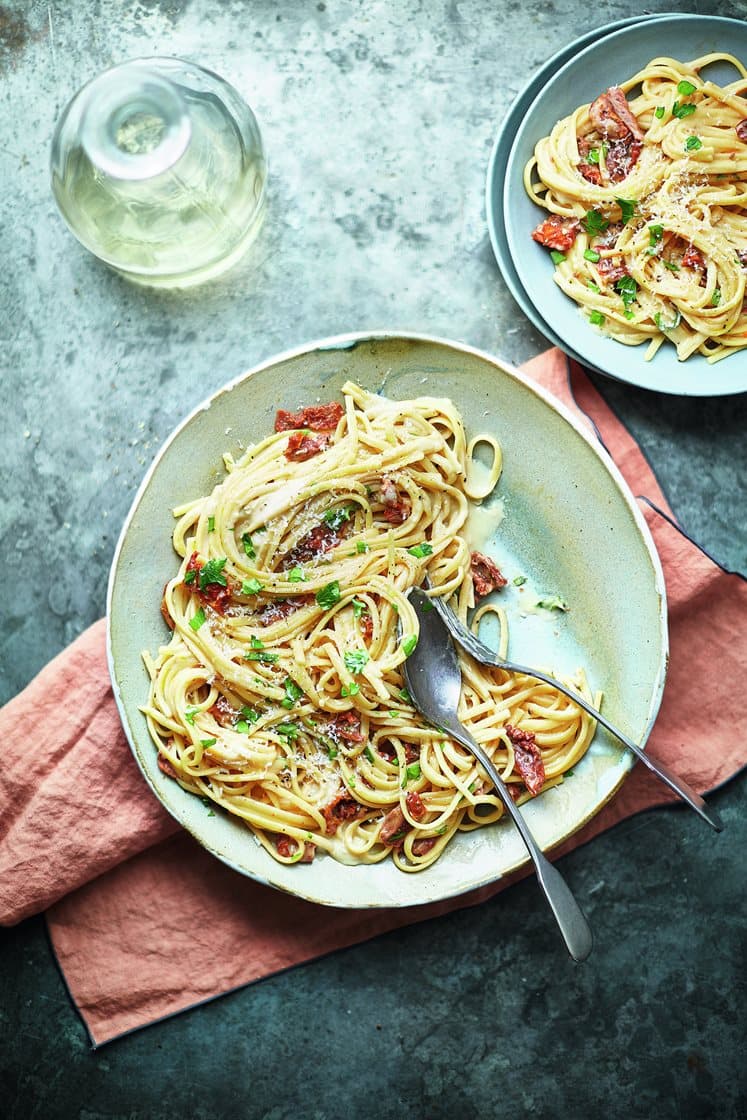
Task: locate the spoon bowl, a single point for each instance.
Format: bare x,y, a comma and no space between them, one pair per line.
434,681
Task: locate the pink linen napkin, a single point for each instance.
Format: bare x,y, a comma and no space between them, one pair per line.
129,896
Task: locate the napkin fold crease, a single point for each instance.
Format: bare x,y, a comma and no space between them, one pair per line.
145,923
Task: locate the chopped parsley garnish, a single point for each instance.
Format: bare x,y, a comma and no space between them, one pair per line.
197,619
671,266
292,693
241,726
394,714
685,88
190,714
250,714
683,110
332,753
256,643
296,575
716,297
264,655
212,572
329,595
356,660
420,550
208,742
629,314
336,517
350,689
519,580
628,289
369,753
251,587
666,327
659,112
557,257
597,318
409,643
190,576
655,234
359,608
405,695
591,255
553,603
361,546
627,206
411,774
246,540
594,222
590,283
211,524
693,143
287,730
593,155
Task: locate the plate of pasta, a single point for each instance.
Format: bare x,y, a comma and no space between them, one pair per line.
625,205
258,618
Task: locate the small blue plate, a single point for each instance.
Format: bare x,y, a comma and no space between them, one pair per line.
577,81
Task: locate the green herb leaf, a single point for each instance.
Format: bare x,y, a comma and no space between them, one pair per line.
413,771
627,207
659,112
241,726
628,289
332,753
296,575
557,258
208,742
292,693
359,608
256,643
405,695
356,660
594,222
287,730
250,715
197,619
685,88
591,255
716,297
597,318
190,714
361,546
190,576
350,689
553,603
518,581
212,572
683,110
590,283
629,314
336,517
329,595
693,143
211,524
264,655
593,155
409,643
369,753
246,540
655,234
420,550
671,266
667,327
251,587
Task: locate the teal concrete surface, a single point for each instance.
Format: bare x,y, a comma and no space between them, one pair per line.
378,119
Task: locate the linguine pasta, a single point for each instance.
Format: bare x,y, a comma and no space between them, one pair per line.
279,696
648,204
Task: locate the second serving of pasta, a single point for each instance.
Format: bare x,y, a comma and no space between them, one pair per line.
647,193
279,696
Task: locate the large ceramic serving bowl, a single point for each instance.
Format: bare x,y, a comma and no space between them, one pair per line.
579,80
570,526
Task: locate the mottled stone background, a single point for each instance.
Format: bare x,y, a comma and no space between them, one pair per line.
378,118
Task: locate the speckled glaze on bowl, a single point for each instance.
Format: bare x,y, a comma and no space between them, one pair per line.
570,525
578,81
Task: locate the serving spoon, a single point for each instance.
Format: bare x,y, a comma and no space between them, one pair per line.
434,681
486,656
